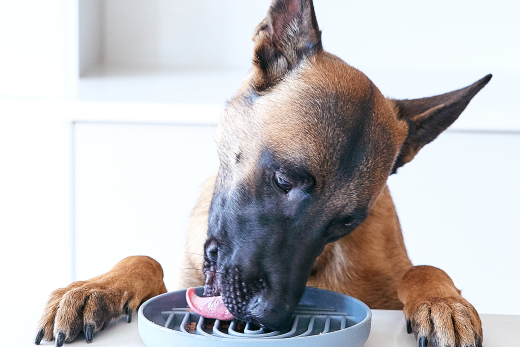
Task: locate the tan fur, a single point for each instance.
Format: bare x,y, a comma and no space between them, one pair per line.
368,263
101,299
435,307
303,105
371,263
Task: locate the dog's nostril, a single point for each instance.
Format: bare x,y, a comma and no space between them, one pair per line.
212,252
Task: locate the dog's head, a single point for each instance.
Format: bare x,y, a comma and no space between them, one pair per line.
306,147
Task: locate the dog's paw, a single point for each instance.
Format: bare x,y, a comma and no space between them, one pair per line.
89,306
443,322
82,306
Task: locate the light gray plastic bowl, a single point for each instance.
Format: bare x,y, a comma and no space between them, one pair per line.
322,318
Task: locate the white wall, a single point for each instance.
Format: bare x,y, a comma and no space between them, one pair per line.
406,34
37,41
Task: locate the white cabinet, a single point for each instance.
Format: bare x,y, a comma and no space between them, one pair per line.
458,206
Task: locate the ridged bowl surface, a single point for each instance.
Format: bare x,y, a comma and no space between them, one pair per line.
155,313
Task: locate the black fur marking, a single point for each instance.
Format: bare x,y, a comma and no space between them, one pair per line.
428,117
287,36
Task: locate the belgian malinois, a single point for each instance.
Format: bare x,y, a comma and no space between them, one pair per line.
306,146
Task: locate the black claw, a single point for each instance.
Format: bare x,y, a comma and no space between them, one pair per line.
129,315
409,326
60,339
39,337
423,341
89,333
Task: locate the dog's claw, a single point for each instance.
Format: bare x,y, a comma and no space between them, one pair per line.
39,336
89,333
129,315
60,339
423,341
409,326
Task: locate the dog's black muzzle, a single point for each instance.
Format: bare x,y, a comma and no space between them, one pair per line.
259,264
253,291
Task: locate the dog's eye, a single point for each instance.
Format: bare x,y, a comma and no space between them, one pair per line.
282,183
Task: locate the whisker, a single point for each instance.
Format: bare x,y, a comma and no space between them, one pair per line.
196,269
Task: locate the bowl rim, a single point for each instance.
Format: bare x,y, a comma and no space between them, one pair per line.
142,319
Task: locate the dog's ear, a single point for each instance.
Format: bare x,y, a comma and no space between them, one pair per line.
428,117
283,39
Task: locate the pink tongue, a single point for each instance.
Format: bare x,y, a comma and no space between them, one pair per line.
208,307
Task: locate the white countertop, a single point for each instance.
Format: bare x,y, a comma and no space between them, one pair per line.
388,329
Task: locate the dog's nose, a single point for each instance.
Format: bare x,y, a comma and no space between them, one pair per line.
212,251
272,316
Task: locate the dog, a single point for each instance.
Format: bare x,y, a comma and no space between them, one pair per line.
300,199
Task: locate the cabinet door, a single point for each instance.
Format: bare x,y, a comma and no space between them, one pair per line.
458,203
135,186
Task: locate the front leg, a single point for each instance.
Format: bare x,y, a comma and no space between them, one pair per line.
436,312
89,306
